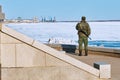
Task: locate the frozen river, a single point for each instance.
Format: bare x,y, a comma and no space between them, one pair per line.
104,34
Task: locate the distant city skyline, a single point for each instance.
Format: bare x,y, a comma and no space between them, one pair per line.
62,9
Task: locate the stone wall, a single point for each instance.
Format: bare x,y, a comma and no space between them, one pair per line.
23,58
0,8
2,15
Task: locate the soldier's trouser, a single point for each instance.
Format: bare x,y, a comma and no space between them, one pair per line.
83,40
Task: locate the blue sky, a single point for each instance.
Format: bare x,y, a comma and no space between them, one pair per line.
62,9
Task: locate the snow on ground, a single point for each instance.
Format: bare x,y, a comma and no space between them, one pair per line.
103,33
108,31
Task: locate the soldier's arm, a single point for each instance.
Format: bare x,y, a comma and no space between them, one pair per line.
89,30
77,26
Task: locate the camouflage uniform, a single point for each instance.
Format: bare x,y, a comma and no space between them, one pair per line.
83,26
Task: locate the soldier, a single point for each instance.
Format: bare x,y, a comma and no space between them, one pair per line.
83,33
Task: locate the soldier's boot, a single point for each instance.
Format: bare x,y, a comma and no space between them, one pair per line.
86,52
80,53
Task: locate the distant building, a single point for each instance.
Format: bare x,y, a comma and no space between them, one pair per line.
2,15
35,20
48,19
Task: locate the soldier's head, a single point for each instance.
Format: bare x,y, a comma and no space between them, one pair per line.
83,18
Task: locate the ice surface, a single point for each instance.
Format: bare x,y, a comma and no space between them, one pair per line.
102,33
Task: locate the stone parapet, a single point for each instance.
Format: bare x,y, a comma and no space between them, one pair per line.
18,36
21,54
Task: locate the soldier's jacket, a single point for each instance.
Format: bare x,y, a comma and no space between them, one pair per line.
83,26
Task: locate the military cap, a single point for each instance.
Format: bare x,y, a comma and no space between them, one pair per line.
83,18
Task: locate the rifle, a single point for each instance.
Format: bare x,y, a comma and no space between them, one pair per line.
85,34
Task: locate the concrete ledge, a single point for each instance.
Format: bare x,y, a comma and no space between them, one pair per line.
64,47
116,50
105,69
102,49
74,48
